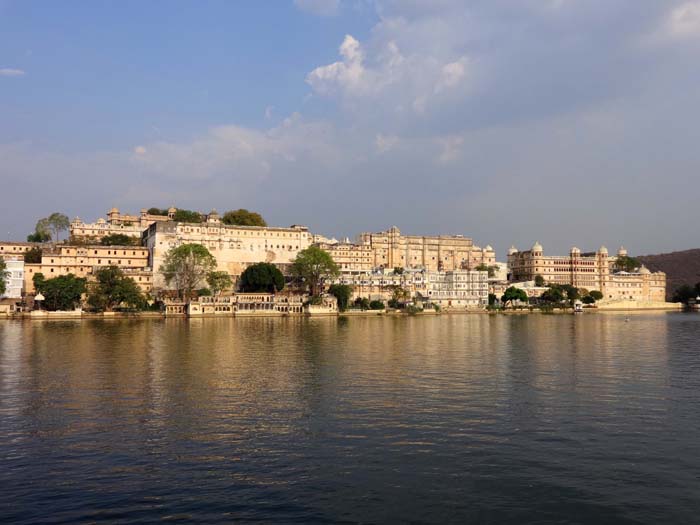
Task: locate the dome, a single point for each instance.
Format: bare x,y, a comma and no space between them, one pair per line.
213,212
537,247
603,250
172,209
622,251
644,270
101,221
488,248
512,250
575,250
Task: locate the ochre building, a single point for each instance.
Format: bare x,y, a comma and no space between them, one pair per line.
392,249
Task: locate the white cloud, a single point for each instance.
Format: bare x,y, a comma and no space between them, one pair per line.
319,7
450,148
684,20
10,72
268,112
385,143
451,75
346,75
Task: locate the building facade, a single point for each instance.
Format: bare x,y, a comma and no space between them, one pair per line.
458,289
350,257
592,271
14,278
392,249
82,261
234,247
116,223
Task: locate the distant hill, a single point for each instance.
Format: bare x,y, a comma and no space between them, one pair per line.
680,267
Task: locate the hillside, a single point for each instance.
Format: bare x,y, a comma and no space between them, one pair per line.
680,267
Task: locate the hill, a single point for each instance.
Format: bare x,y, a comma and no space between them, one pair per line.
680,267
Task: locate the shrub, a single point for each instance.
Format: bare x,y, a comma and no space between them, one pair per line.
376,305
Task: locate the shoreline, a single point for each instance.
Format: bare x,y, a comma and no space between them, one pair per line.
63,316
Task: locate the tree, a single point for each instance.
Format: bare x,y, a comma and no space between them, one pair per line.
362,303
187,216
114,289
243,217
312,265
514,294
33,255
572,293
60,293
539,280
262,277
342,293
588,299
219,281
596,295
41,233
399,295
553,294
118,239
376,305
157,211
398,270
626,264
492,299
685,293
57,223
3,275
187,266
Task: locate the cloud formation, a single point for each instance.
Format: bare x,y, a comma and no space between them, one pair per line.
570,122
10,72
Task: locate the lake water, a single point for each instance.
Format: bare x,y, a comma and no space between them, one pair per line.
591,418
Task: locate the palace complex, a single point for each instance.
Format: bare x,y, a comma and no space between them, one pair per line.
592,271
448,270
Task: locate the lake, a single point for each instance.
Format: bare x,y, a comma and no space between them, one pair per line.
591,418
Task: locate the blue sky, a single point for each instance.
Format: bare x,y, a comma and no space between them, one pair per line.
563,121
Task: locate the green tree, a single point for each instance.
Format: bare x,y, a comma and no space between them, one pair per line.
588,299
362,303
243,217
219,281
312,266
118,239
57,223
186,266
376,305
626,264
262,277
60,293
187,216
342,293
42,232
3,275
483,267
492,299
398,270
33,255
572,293
539,280
514,294
553,294
684,293
158,211
114,289
399,295
596,295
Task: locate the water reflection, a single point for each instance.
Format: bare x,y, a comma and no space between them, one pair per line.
449,418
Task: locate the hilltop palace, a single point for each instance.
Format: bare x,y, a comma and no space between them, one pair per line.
448,270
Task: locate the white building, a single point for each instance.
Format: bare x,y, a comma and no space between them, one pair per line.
14,279
458,288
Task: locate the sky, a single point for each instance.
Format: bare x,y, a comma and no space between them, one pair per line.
568,122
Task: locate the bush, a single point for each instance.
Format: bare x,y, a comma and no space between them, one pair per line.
376,305
342,293
118,239
413,309
33,256
262,277
362,302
